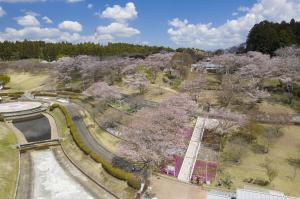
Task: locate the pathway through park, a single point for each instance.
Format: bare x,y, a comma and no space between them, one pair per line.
190,157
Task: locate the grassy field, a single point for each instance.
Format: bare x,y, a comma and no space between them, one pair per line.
60,122
26,81
155,92
9,162
87,164
273,108
288,179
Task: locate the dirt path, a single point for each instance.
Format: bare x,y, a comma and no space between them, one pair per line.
166,188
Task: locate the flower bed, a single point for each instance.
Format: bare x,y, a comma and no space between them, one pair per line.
199,172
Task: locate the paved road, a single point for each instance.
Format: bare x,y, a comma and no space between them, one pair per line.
89,140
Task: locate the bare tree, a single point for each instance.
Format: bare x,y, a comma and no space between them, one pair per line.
194,86
181,62
271,170
230,86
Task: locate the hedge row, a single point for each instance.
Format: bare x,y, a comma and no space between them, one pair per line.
44,94
48,94
132,180
15,94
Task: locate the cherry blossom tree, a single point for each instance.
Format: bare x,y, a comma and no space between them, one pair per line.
194,86
230,86
137,81
181,102
230,62
226,120
155,134
103,90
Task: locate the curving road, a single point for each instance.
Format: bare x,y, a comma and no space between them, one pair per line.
90,141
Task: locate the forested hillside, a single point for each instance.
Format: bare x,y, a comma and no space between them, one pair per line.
51,51
267,37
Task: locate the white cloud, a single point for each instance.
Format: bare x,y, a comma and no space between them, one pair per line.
74,1
90,6
69,30
30,12
27,20
50,35
71,26
116,29
119,13
243,9
235,14
2,12
234,31
47,20
29,33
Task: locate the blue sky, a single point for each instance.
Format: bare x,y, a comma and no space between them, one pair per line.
191,23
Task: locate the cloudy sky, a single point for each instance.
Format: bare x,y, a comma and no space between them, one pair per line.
191,23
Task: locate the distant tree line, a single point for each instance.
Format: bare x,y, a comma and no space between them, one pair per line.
52,51
267,37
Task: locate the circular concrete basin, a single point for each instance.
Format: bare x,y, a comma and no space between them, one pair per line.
12,107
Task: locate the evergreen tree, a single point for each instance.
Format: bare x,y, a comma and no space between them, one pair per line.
52,51
267,37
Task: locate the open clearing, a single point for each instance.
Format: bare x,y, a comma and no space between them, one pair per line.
288,179
166,187
273,108
9,162
26,81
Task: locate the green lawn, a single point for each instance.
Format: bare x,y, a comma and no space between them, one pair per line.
288,179
60,122
213,78
273,108
27,81
9,162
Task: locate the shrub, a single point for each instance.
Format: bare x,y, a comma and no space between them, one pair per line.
45,94
134,182
259,148
54,106
2,119
248,180
296,90
261,182
175,84
4,78
15,94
